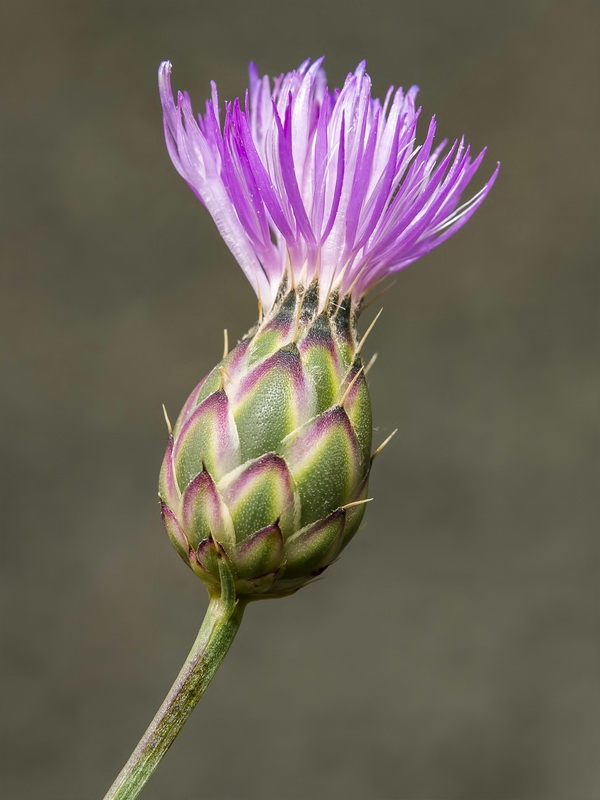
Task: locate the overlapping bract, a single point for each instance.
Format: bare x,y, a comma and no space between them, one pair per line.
327,184
270,449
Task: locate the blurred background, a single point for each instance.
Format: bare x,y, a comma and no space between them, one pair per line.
452,653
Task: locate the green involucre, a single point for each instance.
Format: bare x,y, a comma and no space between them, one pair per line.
270,449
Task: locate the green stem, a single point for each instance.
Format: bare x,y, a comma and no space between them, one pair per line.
218,630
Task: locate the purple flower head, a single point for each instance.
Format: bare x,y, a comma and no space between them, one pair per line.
325,184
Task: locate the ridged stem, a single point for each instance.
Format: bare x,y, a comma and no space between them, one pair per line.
218,630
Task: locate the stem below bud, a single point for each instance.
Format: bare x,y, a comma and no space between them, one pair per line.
218,630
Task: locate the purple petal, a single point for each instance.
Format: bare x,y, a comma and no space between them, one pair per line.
329,183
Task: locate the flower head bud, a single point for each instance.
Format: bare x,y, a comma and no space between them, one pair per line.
270,457
319,195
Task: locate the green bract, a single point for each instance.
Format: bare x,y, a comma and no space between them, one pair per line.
269,460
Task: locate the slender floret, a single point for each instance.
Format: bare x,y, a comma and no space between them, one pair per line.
310,183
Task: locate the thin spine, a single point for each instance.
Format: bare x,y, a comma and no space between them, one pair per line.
371,363
167,420
356,503
225,343
379,294
224,375
367,332
383,444
349,387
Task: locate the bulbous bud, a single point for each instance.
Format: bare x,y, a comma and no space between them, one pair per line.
270,457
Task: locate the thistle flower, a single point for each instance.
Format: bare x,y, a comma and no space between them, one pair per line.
319,195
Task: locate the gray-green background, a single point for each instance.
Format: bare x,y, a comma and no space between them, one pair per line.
452,653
